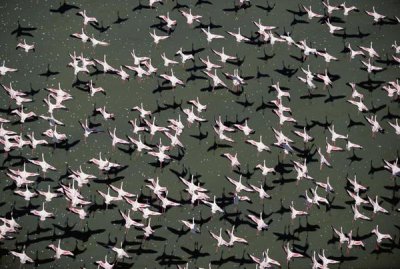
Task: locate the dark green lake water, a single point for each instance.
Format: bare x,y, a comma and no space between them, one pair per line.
51,36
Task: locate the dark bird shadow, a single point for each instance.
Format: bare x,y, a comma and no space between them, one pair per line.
64,7
353,123
119,19
268,8
196,252
23,31
201,136
49,73
286,70
331,98
169,259
203,2
246,103
100,27
179,6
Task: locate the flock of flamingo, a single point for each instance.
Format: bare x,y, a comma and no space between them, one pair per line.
143,212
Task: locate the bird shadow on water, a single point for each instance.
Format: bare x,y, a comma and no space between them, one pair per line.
200,136
179,6
333,98
232,259
196,252
49,73
298,21
374,169
307,228
63,8
353,123
268,8
236,8
100,27
370,85
39,261
345,35
286,71
210,24
120,19
23,31
203,2
169,259
217,145
354,158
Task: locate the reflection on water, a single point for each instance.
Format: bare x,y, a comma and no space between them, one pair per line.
125,25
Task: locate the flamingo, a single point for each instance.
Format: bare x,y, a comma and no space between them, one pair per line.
4,69
238,36
157,38
380,236
342,237
48,195
184,57
216,80
116,140
139,144
108,199
211,36
375,126
191,225
354,53
220,240
87,19
370,50
352,242
214,206
43,164
42,214
233,238
148,231
395,126
190,18
332,28
357,214
238,184
172,79
261,192
326,261
258,144
347,10
167,61
209,64
27,194
311,14
105,264
224,57
59,251
22,115
26,47
392,167
105,65
376,207
121,253
130,222
142,111
22,256
291,254
295,213
377,17
82,36
261,225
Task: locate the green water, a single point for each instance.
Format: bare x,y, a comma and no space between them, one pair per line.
53,45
